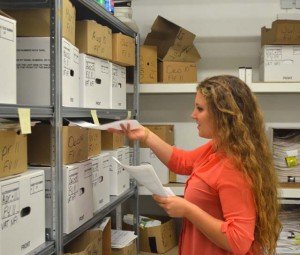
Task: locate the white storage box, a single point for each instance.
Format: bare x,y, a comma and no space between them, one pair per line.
117,86
94,82
33,72
119,177
77,195
22,213
8,81
148,156
280,63
100,168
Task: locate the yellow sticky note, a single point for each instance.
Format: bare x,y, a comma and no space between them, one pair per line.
24,118
95,117
291,161
128,115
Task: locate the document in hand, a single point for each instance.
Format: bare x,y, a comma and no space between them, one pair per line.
145,175
134,124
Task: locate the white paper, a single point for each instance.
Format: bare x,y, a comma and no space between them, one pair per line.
146,176
83,124
121,238
134,124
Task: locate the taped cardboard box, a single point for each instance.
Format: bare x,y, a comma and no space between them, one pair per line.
94,142
177,72
88,243
36,22
173,42
282,32
165,132
111,141
123,49
94,39
74,142
148,64
105,228
13,148
127,250
158,239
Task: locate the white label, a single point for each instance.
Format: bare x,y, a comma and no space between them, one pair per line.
90,73
10,204
72,187
36,184
292,153
7,30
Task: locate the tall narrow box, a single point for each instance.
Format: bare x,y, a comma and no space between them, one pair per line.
94,82
148,64
101,181
8,73
77,195
117,87
22,213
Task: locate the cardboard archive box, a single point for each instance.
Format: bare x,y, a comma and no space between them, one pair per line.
280,63
173,42
13,148
117,89
100,180
74,141
127,250
88,243
8,73
36,22
94,39
94,142
165,132
94,82
111,141
119,177
22,213
105,227
123,49
77,195
177,72
33,72
148,64
282,32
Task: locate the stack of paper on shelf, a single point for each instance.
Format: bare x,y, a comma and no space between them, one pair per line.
286,148
121,238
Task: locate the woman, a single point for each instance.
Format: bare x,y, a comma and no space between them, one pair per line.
230,202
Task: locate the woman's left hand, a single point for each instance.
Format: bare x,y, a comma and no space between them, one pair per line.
174,206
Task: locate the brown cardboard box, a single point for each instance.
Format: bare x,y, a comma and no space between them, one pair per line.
159,239
148,64
36,22
165,132
127,250
94,39
282,32
88,243
13,148
94,139
177,72
111,141
74,142
123,49
173,42
173,251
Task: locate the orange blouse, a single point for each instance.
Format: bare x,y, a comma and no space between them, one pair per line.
219,189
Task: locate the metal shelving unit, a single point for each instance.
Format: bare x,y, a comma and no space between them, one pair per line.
85,9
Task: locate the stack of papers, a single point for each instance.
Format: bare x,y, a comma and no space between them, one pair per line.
289,239
285,147
121,238
144,222
145,175
134,124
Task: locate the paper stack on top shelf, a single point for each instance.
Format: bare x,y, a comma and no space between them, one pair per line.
286,148
289,239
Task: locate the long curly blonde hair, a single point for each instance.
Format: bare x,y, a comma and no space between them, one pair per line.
240,133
